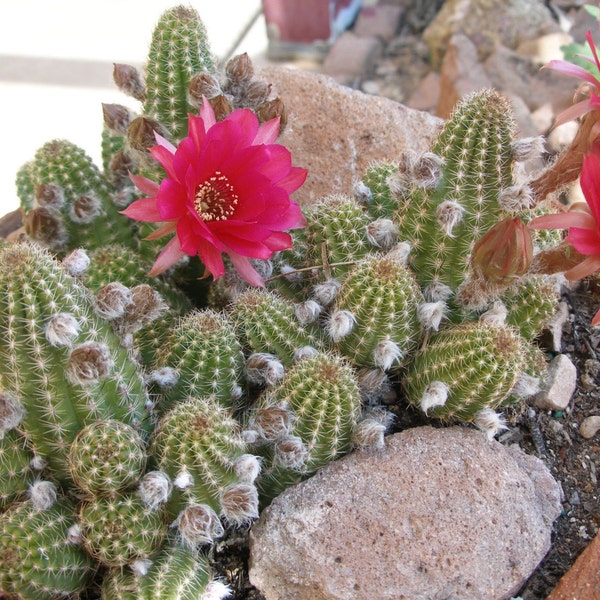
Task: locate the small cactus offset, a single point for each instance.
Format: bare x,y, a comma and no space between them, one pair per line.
16,471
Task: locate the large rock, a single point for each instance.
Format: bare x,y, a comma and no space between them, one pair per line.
439,513
336,132
488,23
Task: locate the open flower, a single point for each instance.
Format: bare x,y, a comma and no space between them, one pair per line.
583,223
227,190
593,101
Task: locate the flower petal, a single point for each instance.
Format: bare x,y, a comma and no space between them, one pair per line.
168,256
585,268
590,184
246,270
567,68
585,241
162,230
144,210
207,114
563,221
268,132
150,188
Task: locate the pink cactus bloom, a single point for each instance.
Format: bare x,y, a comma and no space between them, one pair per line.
593,102
583,222
227,191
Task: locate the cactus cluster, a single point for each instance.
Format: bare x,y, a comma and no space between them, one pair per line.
139,420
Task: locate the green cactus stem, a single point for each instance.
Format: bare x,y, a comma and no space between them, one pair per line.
16,473
64,364
40,557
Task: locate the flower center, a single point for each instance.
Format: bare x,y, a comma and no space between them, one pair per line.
215,198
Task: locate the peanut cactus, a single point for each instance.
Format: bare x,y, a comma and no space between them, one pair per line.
16,472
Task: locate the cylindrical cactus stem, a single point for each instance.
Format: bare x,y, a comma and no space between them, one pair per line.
175,573
179,50
377,191
72,204
106,457
207,358
16,472
40,559
119,529
198,445
268,324
464,369
375,318
64,364
305,421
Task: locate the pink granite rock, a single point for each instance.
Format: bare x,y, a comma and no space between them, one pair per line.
438,513
336,132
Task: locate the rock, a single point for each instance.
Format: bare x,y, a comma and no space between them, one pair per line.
589,427
378,21
438,513
427,94
559,386
352,56
461,74
488,23
582,580
336,132
545,48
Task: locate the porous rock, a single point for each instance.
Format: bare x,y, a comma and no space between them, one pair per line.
336,132
438,513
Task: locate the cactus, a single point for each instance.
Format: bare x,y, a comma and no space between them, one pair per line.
305,421
16,472
39,558
63,363
464,369
205,353
198,445
376,191
375,321
72,205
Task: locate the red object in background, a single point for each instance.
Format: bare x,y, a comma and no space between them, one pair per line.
293,22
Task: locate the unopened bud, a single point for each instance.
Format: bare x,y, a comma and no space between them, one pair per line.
527,148
50,195
368,434
264,369
141,566
141,133
129,81
239,503
399,253
183,480
363,193
42,494
221,106
11,413
273,109
427,170
76,262
290,452
89,363
116,117
307,312
382,233
438,292
326,292
62,329
203,85
198,524
386,353
449,214
154,489
216,590
373,384
120,166
504,252
75,534
516,198
525,386
85,209
113,300
340,324
430,314
146,306
257,91
495,316
272,422
46,227
239,69
490,422
435,394
246,467
38,463
305,352
165,377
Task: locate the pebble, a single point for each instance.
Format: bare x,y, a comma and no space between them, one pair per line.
589,427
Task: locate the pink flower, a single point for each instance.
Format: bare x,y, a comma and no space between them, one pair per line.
583,222
227,190
589,104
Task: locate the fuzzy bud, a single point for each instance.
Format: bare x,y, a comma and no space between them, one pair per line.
326,292
50,195
264,369
141,133
272,422
363,193
198,524
290,274
504,252
435,394
61,330
76,262
257,91
247,468
373,384
340,324
305,352
38,463
239,503
75,534
400,253
89,363
490,422
165,377
221,106
119,168
42,494
155,488
525,386
495,316
526,148
113,300
290,452
11,413
430,314
183,480
386,353
449,214
129,81
141,566
427,170
46,227
216,590
273,109
85,209
307,312
116,117
146,305
516,198
382,233
474,293
203,85
438,292
239,69
369,433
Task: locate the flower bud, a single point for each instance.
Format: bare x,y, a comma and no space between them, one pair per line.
526,148
239,69
495,316
340,324
272,422
116,117
183,480
61,330
264,369
43,494
307,312
490,422
119,167
140,133
435,394
89,363
504,252
363,193
11,413
382,233
449,214
373,384
203,85
155,488
272,109
85,209
165,377
325,293
430,314
46,227
290,452
76,262
427,170
400,253
305,352
516,198
386,353
368,433
129,81
50,195
246,467
113,300
222,106
257,91
239,503
198,524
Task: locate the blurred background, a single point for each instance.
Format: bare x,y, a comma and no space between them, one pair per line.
56,61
